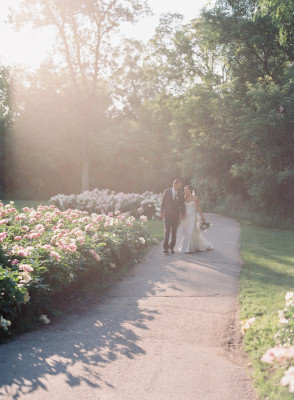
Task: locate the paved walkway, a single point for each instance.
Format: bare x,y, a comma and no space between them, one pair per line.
168,331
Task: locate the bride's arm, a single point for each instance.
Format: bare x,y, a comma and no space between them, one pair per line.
198,208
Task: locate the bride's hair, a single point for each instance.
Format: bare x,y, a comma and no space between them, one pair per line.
190,187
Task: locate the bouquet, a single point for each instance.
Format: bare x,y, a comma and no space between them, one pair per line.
204,226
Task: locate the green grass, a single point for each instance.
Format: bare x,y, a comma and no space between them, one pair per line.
267,274
20,204
156,229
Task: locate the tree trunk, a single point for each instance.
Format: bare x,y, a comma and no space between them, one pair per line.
85,165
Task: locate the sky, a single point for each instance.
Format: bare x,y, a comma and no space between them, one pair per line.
29,47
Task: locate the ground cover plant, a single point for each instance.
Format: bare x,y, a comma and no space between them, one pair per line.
267,308
45,252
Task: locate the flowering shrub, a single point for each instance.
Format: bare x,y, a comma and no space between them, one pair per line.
106,201
44,251
283,353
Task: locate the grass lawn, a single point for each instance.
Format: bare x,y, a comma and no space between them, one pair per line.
267,274
156,229
19,204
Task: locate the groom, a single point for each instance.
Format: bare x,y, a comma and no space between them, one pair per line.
172,207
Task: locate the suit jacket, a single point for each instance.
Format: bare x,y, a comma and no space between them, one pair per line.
172,208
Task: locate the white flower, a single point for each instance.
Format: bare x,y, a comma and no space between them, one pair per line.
289,299
25,277
288,379
26,297
246,324
142,240
4,323
283,321
112,265
44,319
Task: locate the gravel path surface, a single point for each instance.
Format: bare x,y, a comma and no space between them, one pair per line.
169,330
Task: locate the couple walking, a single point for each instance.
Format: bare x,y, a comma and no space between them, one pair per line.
174,205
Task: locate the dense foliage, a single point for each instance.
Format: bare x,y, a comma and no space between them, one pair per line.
210,101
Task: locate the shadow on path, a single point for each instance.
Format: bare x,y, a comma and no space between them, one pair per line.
94,338
78,347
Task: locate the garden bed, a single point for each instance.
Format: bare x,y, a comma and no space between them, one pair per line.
46,254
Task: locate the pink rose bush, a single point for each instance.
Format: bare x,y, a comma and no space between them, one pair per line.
111,203
45,251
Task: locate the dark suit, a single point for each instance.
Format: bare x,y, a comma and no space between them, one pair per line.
171,209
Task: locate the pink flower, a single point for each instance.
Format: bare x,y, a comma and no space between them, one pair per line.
2,236
25,228
25,209
55,255
71,247
143,218
9,210
278,354
15,261
26,267
96,256
47,247
17,237
34,235
3,221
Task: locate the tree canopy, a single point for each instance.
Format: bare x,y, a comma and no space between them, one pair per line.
210,101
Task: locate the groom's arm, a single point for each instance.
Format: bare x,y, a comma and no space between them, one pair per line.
163,203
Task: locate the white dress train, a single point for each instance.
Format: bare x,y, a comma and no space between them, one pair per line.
192,239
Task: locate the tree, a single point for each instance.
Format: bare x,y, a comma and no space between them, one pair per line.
83,30
5,116
229,125
249,42
282,13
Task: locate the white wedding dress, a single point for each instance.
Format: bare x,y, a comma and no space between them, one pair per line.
191,239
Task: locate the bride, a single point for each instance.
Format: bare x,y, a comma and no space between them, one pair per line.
192,240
